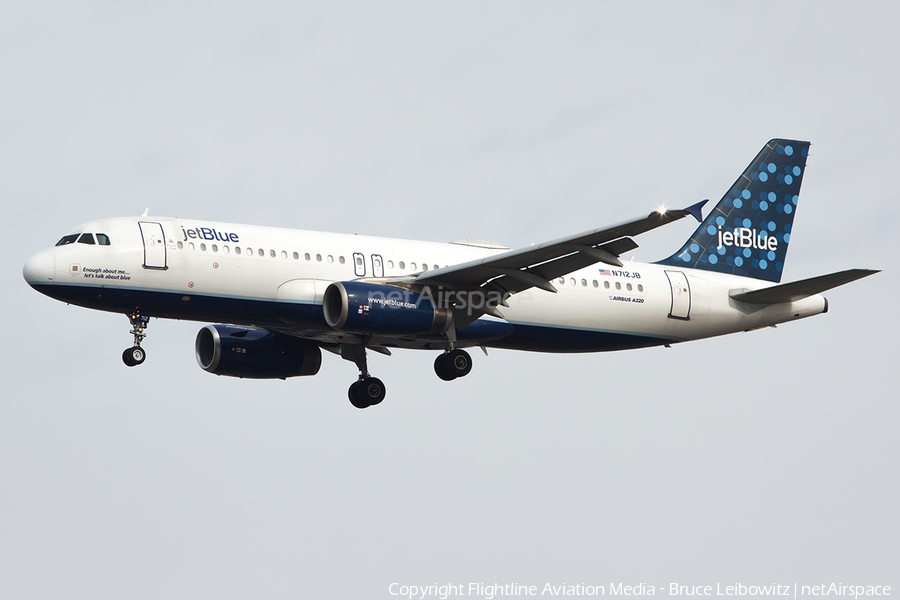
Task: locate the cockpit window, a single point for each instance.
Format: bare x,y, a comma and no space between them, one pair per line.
68,239
103,239
86,238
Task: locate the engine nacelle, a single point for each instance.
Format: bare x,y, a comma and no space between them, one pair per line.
255,353
368,308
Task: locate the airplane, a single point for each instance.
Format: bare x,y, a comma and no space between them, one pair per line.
278,297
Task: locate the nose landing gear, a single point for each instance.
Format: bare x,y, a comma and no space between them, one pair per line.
135,355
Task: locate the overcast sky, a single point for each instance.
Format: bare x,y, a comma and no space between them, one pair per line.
771,456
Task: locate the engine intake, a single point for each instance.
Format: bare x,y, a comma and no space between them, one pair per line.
255,353
367,308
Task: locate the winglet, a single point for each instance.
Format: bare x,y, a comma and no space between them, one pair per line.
694,210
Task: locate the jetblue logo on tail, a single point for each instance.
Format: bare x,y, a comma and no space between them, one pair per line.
748,230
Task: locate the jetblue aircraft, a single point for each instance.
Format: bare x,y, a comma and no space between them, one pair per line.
288,294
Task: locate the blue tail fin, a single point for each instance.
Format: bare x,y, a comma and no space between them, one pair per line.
748,231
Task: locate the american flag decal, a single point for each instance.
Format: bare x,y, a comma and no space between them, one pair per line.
605,272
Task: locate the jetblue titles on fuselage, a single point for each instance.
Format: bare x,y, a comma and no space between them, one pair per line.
210,234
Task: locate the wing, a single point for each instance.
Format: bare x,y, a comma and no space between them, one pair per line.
798,290
537,265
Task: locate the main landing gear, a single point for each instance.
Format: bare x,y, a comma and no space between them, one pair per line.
135,355
453,364
367,390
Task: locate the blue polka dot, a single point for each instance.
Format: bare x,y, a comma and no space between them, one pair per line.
780,178
739,261
763,264
713,259
779,149
720,220
721,250
754,205
788,179
771,167
686,257
728,203
747,253
772,197
711,230
771,226
754,263
794,199
754,176
695,248
789,150
747,223
763,177
729,260
787,227
797,171
738,203
779,266
779,208
771,255
736,192
788,209
745,194
704,259
804,152
764,205
786,237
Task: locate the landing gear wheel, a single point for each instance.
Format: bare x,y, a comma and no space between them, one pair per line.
459,363
366,392
442,367
134,356
356,398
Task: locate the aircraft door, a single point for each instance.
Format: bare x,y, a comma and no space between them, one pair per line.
359,264
154,245
377,266
681,295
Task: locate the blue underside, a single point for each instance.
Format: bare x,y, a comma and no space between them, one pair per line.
308,318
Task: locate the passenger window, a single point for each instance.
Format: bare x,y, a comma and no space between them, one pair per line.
203,247
180,244
390,264
402,265
296,256
225,249
86,238
68,239
330,258
103,239
283,254
424,267
318,258
306,256
606,284
640,288
215,248
191,245
572,280
562,281
596,284
341,259
628,286
237,249
261,252
618,286
272,253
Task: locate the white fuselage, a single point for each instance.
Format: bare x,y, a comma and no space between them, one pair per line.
275,278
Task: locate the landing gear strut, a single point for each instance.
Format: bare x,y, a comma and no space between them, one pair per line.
453,364
367,390
135,355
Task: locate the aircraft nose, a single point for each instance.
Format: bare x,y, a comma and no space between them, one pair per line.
40,268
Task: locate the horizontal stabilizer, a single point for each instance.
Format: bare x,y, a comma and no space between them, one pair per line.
798,290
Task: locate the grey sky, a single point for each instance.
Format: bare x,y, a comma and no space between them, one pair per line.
759,457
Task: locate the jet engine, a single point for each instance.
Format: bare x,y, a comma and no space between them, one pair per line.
255,353
369,308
